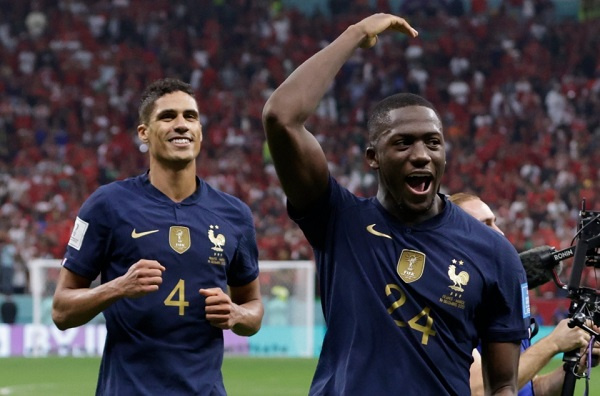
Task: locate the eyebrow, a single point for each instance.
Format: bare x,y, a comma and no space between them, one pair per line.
173,111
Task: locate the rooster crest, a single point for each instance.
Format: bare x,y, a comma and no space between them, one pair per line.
217,240
459,280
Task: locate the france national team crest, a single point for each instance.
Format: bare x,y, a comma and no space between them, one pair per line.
410,265
179,239
459,279
218,241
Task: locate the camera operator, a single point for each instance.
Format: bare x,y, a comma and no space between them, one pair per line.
533,356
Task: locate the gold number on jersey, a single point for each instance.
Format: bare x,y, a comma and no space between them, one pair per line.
180,302
426,329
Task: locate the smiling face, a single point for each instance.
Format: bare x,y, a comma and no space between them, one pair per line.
173,132
410,158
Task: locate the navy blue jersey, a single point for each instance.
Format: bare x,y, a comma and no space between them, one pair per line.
162,344
405,306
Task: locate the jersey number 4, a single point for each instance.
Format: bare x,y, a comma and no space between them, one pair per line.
413,323
180,301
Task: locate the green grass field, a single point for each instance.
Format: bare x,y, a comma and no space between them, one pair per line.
243,376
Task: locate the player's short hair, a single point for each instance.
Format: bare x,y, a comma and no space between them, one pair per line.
462,197
158,89
379,120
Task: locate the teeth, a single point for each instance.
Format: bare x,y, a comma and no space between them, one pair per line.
180,140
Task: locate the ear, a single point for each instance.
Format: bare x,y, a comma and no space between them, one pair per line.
371,156
142,131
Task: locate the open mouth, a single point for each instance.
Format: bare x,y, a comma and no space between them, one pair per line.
419,184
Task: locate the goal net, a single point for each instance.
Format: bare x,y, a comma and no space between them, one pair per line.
287,289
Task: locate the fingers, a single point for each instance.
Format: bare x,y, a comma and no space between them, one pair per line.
149,264
220,310
216,300
143,277
402,25
214,291
378,23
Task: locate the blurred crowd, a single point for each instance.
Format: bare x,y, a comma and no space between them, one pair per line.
517,86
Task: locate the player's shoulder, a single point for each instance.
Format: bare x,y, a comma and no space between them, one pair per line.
219,195
115,189
467,225
223,203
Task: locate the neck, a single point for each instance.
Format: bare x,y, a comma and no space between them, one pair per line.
406,215
177,184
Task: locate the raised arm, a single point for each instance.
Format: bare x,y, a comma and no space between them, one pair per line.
299,160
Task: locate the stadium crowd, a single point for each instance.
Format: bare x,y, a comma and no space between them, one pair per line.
517,86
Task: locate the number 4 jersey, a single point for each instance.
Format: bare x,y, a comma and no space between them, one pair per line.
405,306
161,343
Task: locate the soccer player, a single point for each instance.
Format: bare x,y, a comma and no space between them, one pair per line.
533,357
167,247
409,282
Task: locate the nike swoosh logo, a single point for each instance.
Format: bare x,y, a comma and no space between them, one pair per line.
371,229
136,235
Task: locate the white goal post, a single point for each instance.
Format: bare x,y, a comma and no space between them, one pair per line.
287,288
38,282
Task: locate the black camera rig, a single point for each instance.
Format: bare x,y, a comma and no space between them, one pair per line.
585,301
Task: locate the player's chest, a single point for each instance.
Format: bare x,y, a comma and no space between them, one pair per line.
407,261
177,232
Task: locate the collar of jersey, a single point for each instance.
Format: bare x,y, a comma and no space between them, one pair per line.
435,222
144,182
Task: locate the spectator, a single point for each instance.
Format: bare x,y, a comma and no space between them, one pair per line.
8,261
8,309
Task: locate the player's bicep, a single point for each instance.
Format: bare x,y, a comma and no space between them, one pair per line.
69,280
243,294
500,362
68,283
300,163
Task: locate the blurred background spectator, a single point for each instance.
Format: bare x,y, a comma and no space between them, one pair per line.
8,310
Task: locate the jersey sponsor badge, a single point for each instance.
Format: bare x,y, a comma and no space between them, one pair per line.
410,265
78,233
136,235
179,239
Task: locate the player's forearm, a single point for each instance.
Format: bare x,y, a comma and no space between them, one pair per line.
549,384
250,318
75,307
533,359
298,96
